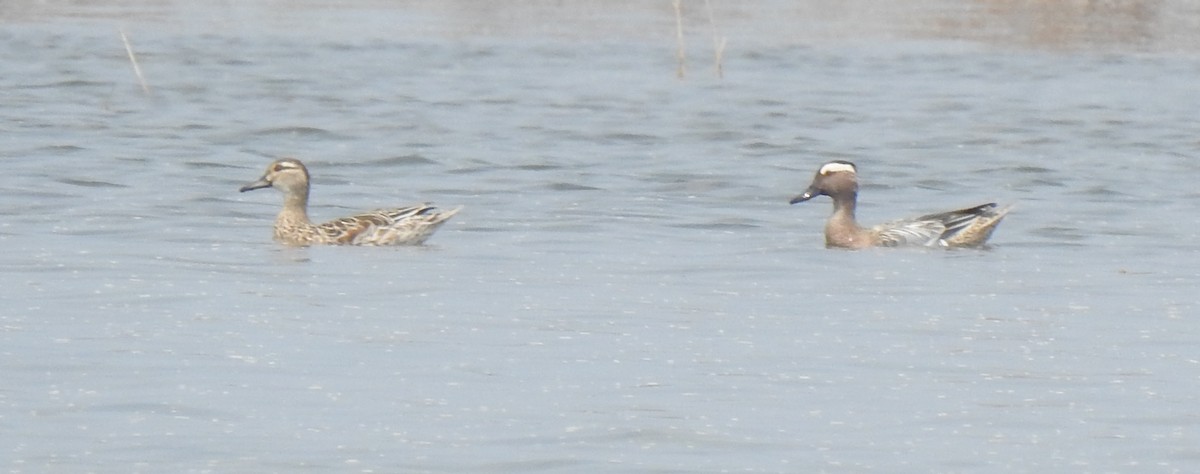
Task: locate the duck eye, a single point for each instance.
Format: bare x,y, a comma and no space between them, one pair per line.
277,168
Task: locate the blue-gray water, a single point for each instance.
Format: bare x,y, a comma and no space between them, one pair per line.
627,289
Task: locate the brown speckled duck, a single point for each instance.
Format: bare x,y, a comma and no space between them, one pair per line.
969,227
401,226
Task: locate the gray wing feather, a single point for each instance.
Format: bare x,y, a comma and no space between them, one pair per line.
909,232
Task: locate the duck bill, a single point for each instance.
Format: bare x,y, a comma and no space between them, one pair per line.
261,183
808,194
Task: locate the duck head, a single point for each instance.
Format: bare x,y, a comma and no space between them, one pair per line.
286,174
833,179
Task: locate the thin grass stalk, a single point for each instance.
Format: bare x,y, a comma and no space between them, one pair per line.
137,70
718,42
680,55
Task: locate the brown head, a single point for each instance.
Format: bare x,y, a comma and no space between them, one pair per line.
836,179
285,174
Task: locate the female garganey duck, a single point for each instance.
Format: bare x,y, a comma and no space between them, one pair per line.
403,226
969,227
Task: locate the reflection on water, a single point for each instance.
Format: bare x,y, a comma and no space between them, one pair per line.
1138,25
1119,25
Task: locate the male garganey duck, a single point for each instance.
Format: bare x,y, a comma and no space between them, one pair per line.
969,227
402,226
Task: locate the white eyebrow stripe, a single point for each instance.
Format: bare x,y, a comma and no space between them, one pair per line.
835,167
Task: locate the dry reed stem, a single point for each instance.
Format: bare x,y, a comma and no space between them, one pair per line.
681,70
718,42
137,70
719,57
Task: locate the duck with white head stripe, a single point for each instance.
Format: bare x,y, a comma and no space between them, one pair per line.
970,227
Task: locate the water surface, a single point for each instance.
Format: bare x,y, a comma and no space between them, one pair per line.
627,288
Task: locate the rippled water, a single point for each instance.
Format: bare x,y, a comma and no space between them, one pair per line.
627,288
